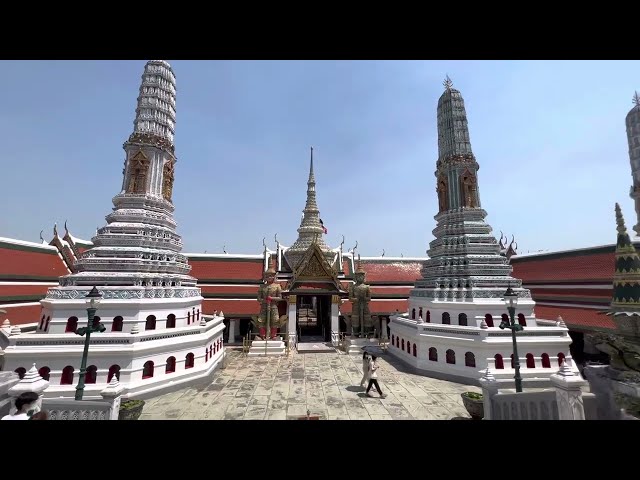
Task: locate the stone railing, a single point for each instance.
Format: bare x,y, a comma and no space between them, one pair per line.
7,380
564,401
533,404
69,409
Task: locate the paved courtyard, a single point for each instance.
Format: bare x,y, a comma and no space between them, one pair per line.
325,384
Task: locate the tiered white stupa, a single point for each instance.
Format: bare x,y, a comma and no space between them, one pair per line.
156,334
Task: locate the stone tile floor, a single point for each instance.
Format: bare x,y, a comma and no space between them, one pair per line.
326,384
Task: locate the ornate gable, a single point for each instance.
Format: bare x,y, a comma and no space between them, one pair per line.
314,267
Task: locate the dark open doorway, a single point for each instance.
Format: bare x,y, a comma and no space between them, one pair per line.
314,318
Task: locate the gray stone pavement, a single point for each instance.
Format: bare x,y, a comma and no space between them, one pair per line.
326,384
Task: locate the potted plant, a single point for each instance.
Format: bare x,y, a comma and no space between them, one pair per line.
131,409
474,403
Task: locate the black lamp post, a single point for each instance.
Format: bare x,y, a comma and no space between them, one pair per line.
93,299
511,300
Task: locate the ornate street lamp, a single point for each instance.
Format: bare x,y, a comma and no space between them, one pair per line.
511,301
92,299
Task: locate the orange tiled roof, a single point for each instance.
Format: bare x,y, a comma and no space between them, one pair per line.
21,315
229,290
24,262
383,271
576,318
379,307
231,307
205,269
586,265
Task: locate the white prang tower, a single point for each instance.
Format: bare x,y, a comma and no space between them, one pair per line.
136,256
155,335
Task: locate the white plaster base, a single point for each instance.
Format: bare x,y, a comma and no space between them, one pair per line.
273,347
354,346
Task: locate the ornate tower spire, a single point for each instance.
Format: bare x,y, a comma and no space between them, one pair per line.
310,230
457,168
465,260
156,110
633,139
139,245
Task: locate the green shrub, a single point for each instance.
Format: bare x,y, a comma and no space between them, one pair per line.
473,395
131,404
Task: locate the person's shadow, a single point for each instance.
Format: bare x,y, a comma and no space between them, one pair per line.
355,388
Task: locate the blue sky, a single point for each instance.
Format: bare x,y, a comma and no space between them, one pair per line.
549,136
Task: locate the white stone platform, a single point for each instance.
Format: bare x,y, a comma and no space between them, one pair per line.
262,348
353,346
315,347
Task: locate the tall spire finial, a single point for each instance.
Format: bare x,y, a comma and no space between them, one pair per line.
448,83
636,99
311,176
621,227
311,228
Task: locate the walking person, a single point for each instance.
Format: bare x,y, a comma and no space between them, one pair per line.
25,407
365,369
373,377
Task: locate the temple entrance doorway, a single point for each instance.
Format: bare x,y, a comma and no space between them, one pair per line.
314,318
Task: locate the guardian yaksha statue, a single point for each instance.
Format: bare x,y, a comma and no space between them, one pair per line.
269,295
360,296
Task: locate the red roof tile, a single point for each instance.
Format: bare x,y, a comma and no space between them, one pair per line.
378,307
391,271
583,265
21,315
23,263
206,269
581,318
231,307
23,290
592,293
230,289
402,291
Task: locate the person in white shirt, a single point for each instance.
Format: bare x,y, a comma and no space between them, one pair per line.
365,369
26,406
373,377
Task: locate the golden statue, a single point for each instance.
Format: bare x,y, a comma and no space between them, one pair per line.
442,194
360,296
469,190
167,180
269,295
138,168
